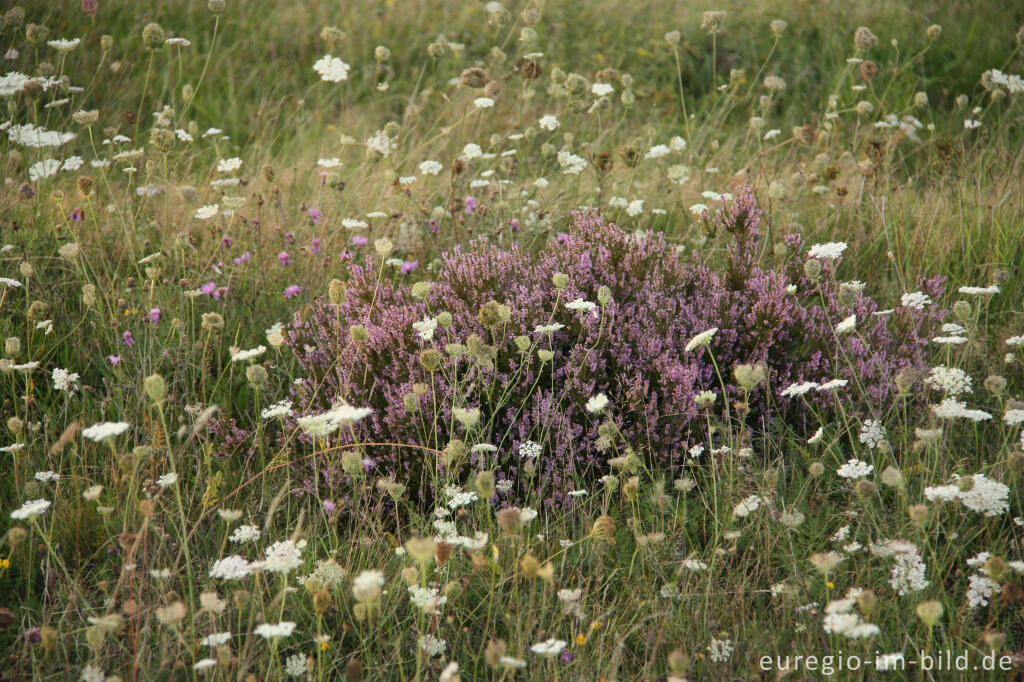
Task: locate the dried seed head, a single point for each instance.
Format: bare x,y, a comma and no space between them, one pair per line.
153,36
864,39
510,520
333,36
603,528
918,513
156,388
868,70
930,612
336,291
36,34
474,77
162,139
212,322
257,377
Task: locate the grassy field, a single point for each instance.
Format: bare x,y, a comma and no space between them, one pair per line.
423,340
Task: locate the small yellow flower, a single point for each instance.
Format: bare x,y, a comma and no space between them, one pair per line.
830,585
324,646
596,625
5,563
581,639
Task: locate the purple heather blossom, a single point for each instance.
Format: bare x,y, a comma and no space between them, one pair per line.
562,238
315,246
513,225
329,507
633,352
285,259
566,656
126,339
470,205
292,291
409,266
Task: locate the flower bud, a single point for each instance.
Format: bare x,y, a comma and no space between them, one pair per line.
156,388
336,291
929,612
153,36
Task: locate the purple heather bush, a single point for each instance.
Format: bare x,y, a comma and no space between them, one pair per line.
628,307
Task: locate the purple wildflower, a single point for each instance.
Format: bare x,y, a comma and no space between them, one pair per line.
659,300
209,289
225,241
360,240
409,266
285,259
126,339
244,258
470,205
315,246
114,360
434,227
154,315
315,216
292,291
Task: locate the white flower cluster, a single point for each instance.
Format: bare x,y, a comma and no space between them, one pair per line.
841,619
949,380
908,571
978,493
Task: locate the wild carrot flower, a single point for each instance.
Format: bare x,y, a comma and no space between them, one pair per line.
30,509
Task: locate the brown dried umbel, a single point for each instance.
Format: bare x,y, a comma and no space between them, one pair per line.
603,162
475,77
868,70
531,70
806,134
630,155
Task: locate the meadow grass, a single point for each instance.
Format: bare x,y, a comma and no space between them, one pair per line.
565,340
